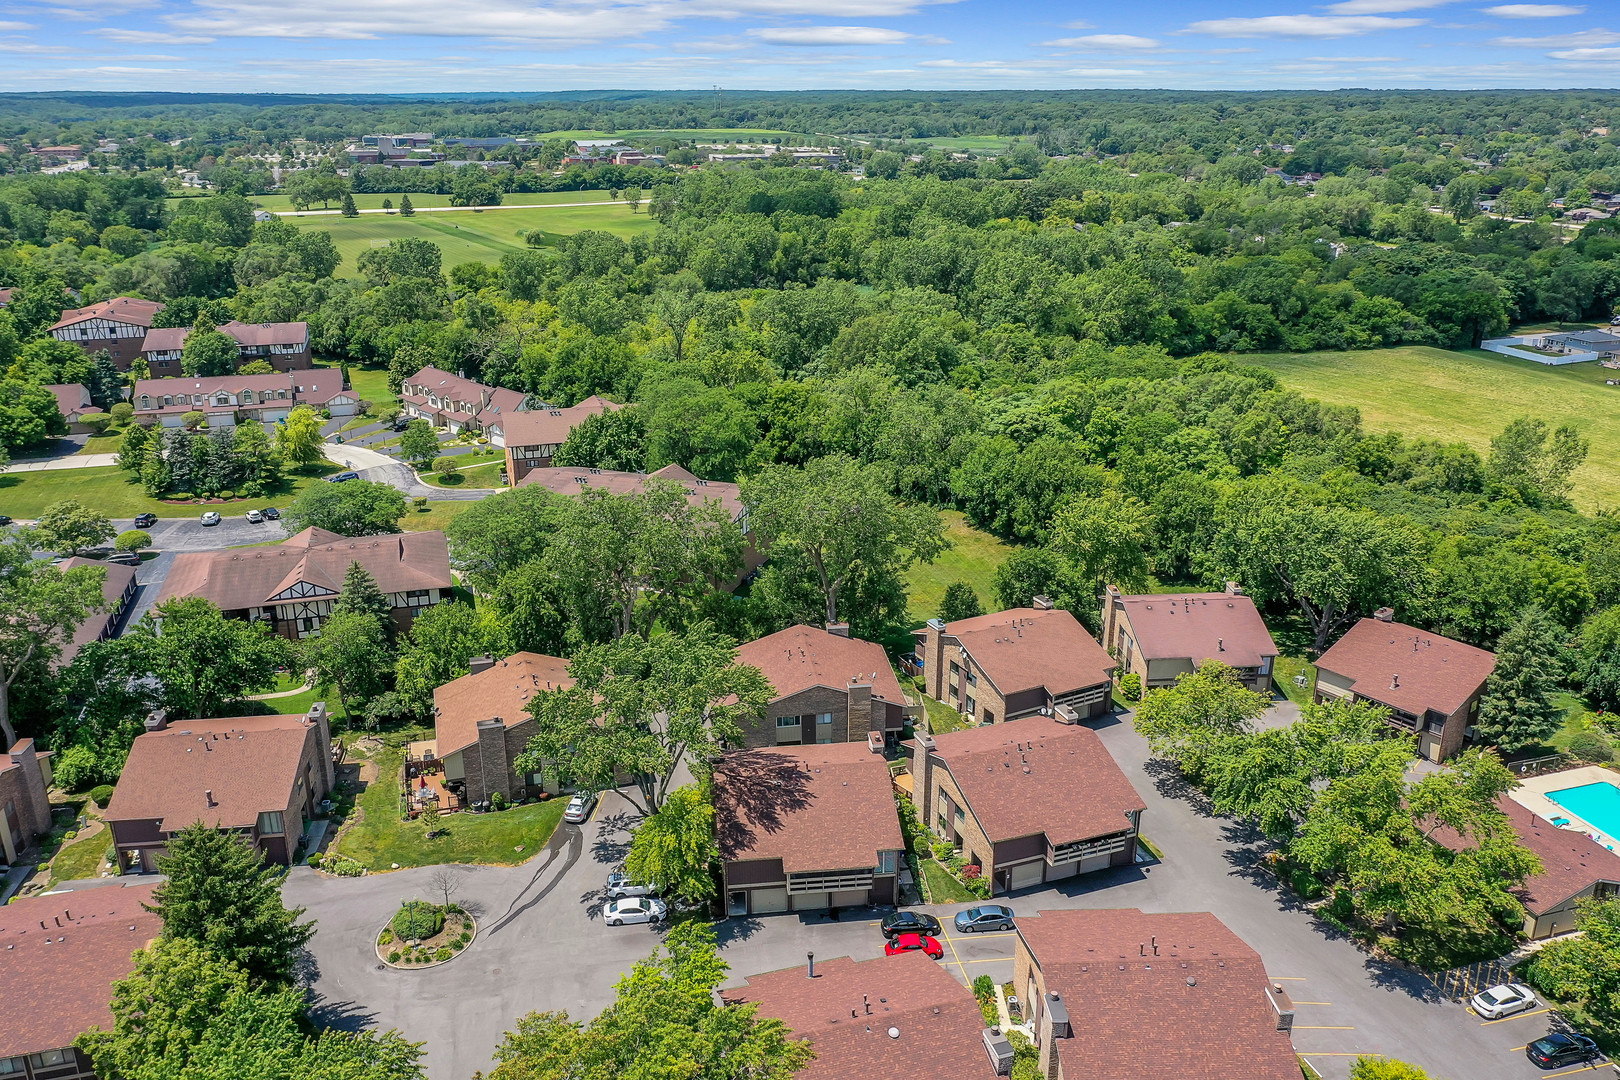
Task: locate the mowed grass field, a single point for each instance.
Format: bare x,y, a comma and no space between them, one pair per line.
470,235
1467,396
280,204
972,557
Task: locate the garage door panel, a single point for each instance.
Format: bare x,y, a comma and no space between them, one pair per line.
1053,873
769,901
851,898
1094,862
1026,875
813,901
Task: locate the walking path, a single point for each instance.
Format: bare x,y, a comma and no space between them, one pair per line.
454,209
75,461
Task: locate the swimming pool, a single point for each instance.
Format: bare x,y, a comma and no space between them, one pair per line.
1596,804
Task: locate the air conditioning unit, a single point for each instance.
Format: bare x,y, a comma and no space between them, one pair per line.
1000,1049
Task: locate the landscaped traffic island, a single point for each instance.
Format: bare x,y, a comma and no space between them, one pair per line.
422,935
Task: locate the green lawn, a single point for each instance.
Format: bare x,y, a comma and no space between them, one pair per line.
1467,396
471,235
108,489
371,383
437,516
485,475
943,888
277,204
382,839
1283,672
973,558
82,858
941,717
103,444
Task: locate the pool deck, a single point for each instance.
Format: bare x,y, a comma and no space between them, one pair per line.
1532,795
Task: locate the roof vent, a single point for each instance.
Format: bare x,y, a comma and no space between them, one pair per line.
894,1033
209,795
1395,682
1042,603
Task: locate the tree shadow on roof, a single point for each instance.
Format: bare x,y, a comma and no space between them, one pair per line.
756,791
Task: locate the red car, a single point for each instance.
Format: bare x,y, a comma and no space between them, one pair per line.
911,943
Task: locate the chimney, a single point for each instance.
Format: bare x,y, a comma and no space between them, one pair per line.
1233,589
838,629
1042,603
861,714
209,795
1384,614
480,663
1284,1006
934,659
158,720
322,720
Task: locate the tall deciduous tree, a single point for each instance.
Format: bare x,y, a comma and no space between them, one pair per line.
1585,968
132,449
1518,709
43,605
221,894
960,602
257,458
1183,723
675,848
1335,564
419,444
1106,539
68,527
298,438
616,439
205,662
1535,462
840,516
352,508
351,653
207,351
442,640
645,709
497,535
664,1013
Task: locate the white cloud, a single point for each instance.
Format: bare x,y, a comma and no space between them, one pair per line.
1587,54
1079,24
1383,7
1299,26
16,26
1534,11
1104,41
1557,41
829,35
149,37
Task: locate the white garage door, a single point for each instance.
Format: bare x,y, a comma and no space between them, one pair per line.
769,901
1095,862
1028,874
810,901
851,898
1066,870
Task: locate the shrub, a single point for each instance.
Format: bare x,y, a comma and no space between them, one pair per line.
193,419
393,957
342,866
101,795
979,888
315,860
386,937
984,988
326,414
416,920
421,504
942,850
1130,687
463,939
498,801
972,873
122,413
442,953
96,422
70,834
80,767
132,540
445,466
1591,745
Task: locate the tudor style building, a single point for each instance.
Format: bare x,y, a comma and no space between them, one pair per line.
531,437
118,325
456,403
225,399
285,346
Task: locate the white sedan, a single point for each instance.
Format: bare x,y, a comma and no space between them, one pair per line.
579,809
254,517
1504,1000
635,909
210,517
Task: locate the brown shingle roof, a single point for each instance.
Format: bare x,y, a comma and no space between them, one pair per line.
802,656
547,427
58,978
570,481
236,578
117,580
168,338
1022,648
71,399
823,807
1199,627
1407,668
501,691
250,763
1571,861
938,1020
1196,1011
1039,775
124,309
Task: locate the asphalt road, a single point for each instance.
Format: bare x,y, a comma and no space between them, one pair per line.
542,945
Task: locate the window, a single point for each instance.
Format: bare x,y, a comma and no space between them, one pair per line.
270,823
247,397
824,718
49,1058
11,1066
146,402
787,721
973,680
972,706
989,717
956,669
419,598
885,862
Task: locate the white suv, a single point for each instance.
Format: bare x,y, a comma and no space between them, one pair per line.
620,885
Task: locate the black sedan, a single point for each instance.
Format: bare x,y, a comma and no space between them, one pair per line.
1561,1048
270,513
145,521
909,922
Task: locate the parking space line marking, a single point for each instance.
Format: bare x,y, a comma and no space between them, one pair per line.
1287,978
984,960
1329,1053
1572,1072
954,953
1515,1016
1313,1003
981,937
1320,1027
1516,1049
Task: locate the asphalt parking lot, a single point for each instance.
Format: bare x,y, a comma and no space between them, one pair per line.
542,945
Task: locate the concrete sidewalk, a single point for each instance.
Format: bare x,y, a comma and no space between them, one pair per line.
76,461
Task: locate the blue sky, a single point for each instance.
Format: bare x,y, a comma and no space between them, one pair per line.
509,45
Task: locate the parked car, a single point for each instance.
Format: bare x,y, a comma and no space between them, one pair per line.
124,558
142,521
4,520
1504,1000
984,917
270,513
579,808
210,517
1560,1048
254,517
621,885
913,942
338,478
633,909
402,423
909,922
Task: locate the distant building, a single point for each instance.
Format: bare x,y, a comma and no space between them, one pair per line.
25,806
60,954
117,590
1161,637
118,326
457,403
285,346
1431,684
531,437
293,584
226,400
261,777
1604,345
73,402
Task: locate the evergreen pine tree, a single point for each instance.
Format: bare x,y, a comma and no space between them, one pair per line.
1518,709
361,595
132,449
349,209
405,207
221,894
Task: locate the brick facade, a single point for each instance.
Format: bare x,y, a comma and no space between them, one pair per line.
25,806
